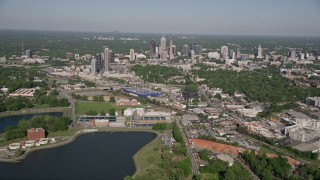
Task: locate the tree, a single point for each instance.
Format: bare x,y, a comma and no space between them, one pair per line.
204,154
112,111
218,96
91,112
112,99
102,113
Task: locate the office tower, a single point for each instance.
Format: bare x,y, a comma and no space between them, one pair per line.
283,59
152,49
174,49
293,55
163,46
196,48
259,52
157,55
185,50
164,55
171,50
132,56
93,66
234,54
238,53
224,52
99,63
28,53
22,48
107,57
192,55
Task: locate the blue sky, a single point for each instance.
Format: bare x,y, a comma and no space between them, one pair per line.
235,17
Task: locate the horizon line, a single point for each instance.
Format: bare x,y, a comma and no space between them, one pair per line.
171,33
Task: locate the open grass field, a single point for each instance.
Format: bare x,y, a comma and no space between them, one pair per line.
267,150
148,156
83,107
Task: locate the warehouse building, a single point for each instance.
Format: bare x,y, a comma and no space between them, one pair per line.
139,92
149,118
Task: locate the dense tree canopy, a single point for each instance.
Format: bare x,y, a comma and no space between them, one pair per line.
156,73
265,85
49,123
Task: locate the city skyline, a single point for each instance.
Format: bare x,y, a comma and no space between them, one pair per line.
287,17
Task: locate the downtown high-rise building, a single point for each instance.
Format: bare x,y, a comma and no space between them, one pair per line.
224,52
28,53
107,57
259,55
99,63
185,50
292,55
152,49
171,55
93,66
132,55
163,46
196,48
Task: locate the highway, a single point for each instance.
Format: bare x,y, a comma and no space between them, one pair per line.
195,168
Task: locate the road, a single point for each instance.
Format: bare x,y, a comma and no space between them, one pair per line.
64,94
195,168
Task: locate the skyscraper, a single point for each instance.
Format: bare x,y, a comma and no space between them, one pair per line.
132,56
28,53
93,66
293,55
163,46
152,49
224,52
171,56
197,49
185,50
107,57
259,52
99,63
192,56
174,49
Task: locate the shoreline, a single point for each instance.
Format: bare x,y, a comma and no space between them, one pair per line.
135,156
81,132
64,110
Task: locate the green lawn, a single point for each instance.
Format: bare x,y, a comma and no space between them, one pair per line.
83,107
69,132
267,150
148,157
41,106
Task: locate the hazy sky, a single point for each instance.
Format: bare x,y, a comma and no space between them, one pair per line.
247,17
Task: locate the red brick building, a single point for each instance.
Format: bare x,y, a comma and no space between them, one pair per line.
36,133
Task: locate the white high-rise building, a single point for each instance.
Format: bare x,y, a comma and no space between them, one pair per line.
157,53
171,56
224,52
132,55
107,57
192,55
163,46
185,50
293,55
93,67
259,52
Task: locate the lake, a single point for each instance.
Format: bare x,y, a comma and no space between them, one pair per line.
99,155
14,120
